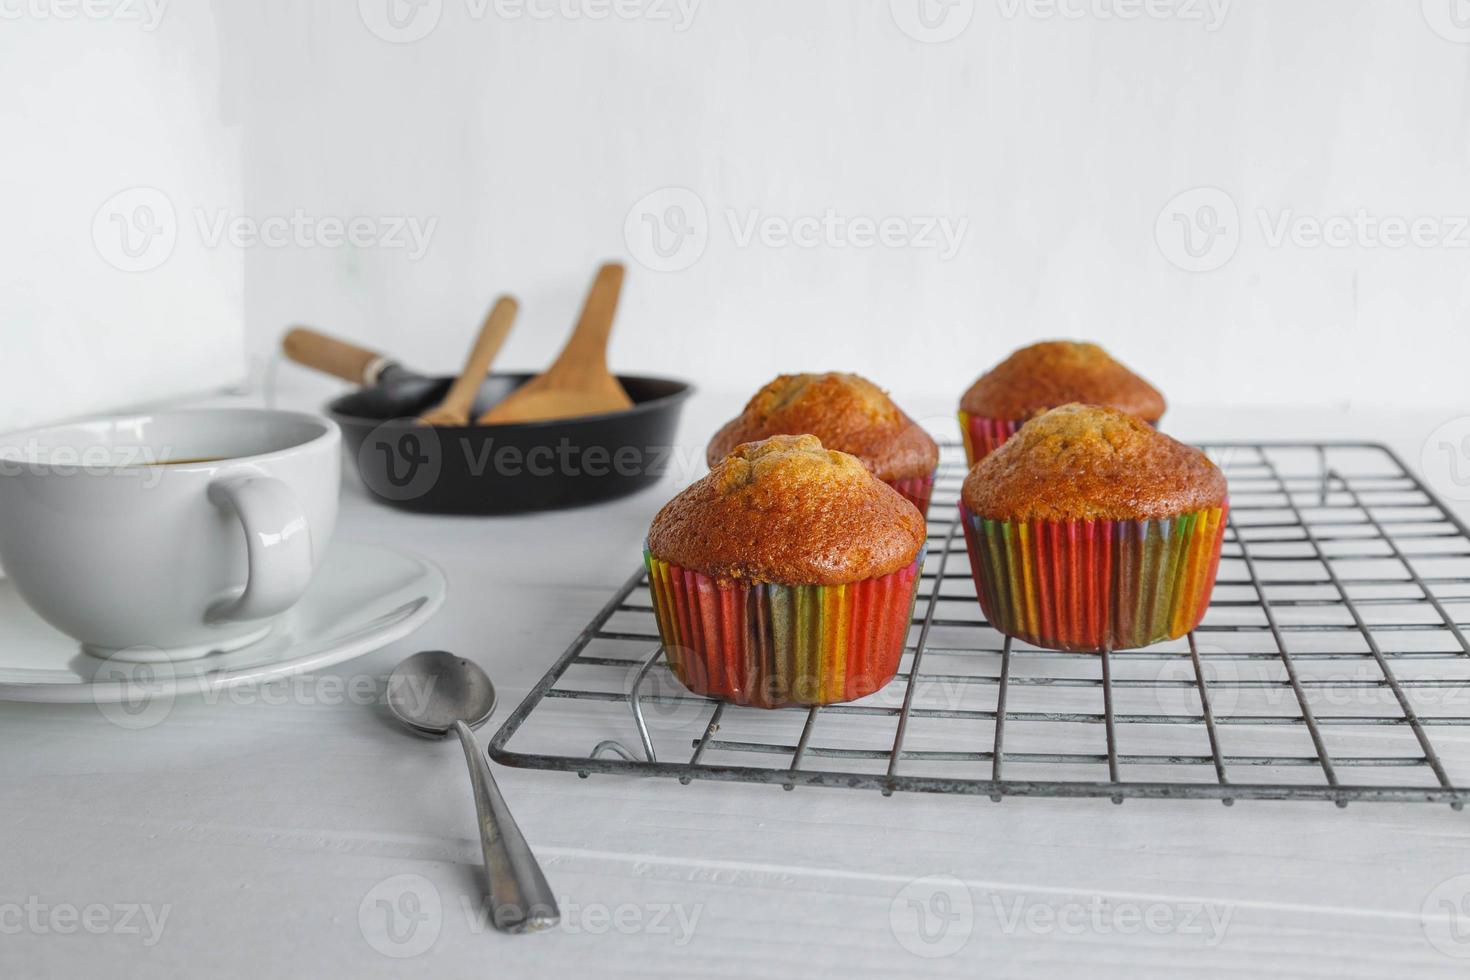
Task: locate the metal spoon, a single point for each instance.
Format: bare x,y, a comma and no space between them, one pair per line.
433,693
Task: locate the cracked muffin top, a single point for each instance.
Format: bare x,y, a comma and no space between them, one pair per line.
847,412
1086,462
1043,376
789,511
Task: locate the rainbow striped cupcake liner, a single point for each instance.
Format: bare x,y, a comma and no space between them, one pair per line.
916,490
772,646
1087,586
984,436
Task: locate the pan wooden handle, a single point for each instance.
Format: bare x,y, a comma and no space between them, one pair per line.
332,356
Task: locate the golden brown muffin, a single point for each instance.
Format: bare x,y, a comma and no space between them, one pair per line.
1058,372
1089,530
786,510
848,413
1084,462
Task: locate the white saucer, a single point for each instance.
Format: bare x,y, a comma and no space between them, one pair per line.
362,598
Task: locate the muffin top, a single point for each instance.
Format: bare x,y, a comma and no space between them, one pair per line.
1058,372
1085,462
846,412
788,511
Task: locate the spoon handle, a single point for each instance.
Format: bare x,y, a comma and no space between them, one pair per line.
520,898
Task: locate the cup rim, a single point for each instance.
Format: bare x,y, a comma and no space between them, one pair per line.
327,432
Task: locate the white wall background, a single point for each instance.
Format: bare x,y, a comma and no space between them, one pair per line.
524,137
116,123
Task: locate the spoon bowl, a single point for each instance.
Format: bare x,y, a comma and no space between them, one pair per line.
431,690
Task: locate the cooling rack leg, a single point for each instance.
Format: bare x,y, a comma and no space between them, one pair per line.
1106,653
1324,475
635,701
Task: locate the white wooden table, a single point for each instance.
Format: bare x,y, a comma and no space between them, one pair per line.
312,838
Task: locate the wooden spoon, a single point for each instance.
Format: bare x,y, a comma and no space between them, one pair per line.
578,381
455,408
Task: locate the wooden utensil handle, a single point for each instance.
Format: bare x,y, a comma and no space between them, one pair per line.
332,356
487,344
586,349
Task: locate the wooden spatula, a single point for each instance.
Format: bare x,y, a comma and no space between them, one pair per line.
455,408
578,381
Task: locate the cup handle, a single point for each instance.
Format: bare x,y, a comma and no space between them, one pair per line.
277,544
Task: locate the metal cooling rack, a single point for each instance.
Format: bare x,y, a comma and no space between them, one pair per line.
1332,664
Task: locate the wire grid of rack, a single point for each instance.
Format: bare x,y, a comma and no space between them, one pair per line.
1333,664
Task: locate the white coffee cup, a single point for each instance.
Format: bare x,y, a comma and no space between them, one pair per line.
170,535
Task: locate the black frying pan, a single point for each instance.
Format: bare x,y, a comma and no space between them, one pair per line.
489,469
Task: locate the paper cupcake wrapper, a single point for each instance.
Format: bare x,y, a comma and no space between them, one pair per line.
771,646
984,436
916,490
1092,585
